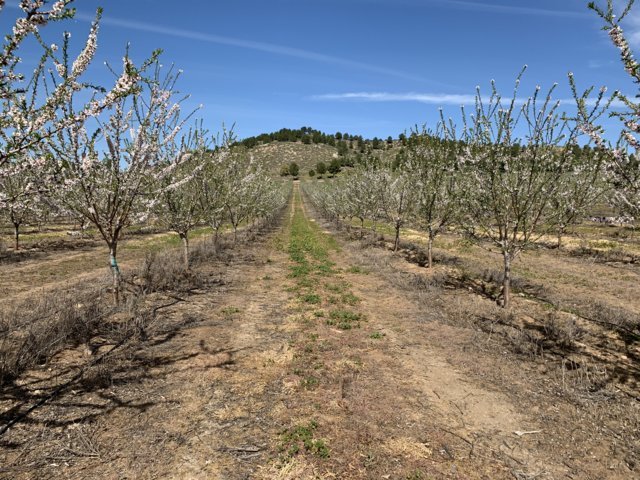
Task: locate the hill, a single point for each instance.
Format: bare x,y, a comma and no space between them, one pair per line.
307,147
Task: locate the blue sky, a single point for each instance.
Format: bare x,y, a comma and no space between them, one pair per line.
369,67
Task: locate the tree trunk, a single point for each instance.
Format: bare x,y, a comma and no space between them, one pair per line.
185,249
115,271
235,234
16,234
397,241
361,227
506,283
430,251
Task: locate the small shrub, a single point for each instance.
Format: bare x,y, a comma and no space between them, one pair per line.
522,342
518,283
563,332
167,274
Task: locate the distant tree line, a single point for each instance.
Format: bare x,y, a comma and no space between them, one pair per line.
344,142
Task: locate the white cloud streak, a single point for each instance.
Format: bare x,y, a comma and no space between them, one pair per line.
503,8
429,98
512,9
440,99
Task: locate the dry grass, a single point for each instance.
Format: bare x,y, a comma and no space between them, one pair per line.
32,332
618,319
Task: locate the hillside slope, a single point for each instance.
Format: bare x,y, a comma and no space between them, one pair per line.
277,154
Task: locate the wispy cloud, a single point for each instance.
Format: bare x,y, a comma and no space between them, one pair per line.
440,99
595,64
429,98
512,9
502,8
265,47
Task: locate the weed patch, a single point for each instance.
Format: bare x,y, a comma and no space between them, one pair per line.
311,298
344,319
228,311
300,438
357,270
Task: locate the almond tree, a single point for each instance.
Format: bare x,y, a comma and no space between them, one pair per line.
264,196
583,189
245,181
21,199
623,168
274,200
398,200
238,173
329,198
432,164
117,186
180,205
364,187
32,110
26,112
213,188
512,185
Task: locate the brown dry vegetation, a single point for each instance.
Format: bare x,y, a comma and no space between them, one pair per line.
306,354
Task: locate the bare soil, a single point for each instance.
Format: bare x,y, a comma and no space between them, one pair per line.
335,363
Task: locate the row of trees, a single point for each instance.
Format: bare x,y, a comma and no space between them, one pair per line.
215,189
128,152
333,168
305,134
487,181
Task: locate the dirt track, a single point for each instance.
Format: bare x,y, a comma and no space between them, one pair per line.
329,370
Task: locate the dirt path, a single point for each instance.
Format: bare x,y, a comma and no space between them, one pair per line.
304,365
